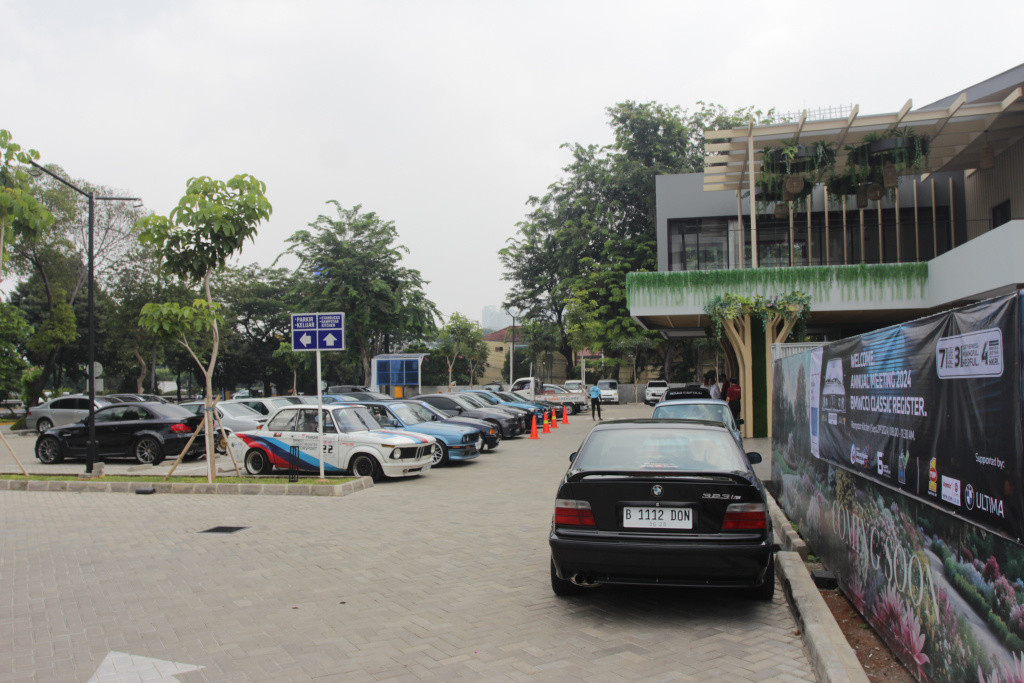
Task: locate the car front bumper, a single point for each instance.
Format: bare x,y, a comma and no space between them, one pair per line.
465,451
675,563
406,468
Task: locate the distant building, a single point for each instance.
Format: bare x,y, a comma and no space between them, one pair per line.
495,318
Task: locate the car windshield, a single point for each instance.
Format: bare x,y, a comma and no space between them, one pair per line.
411,413
281,402
473,400
556,389
507,396
464,402
434,412
713,412
490,400
691,450
239,411
354,419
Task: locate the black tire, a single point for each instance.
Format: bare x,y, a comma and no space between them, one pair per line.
49,451
43,424
439,456
363,465
766,591
497,438
148,451
561,587
258,462
574,409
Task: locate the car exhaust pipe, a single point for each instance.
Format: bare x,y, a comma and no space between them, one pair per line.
578,579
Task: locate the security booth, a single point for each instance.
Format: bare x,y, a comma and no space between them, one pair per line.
397,370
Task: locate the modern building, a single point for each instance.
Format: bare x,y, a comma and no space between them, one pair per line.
879,218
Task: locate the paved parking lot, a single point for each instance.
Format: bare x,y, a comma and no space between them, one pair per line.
441,577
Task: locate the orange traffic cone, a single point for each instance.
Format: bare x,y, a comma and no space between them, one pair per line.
565,415
554,419
533,428
547,427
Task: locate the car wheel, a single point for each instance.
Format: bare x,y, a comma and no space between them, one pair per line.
766,591
43,424
257,462
48,450
363,465
439,456
574,409
148,451
561,586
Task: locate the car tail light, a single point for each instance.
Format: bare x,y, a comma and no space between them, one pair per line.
745,517
573,513
179,428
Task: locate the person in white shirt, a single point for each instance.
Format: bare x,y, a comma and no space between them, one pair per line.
716,393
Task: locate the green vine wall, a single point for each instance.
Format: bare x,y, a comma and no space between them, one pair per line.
879,281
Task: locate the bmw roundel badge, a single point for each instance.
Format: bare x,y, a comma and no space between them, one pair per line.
657,490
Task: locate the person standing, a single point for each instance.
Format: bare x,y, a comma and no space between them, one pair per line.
716,393
733,397
595,402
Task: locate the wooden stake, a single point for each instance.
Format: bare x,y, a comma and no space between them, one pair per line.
7,443
181,456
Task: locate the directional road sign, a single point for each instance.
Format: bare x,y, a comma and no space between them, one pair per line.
318,331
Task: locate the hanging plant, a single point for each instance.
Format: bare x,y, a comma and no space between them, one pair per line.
789,171
905,150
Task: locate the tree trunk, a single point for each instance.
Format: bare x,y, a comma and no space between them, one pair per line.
211,454
142,372
668,355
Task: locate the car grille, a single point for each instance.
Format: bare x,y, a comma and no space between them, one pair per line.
413,452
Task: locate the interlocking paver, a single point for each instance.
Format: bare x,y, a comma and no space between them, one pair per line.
443,577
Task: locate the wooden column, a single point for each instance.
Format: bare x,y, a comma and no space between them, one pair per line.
753,195
899,238
846,257
917,228
739,219
792,236
935,223
952,226
810,250
828,243
861,235
881,240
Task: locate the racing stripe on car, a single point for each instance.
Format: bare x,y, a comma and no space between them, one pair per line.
279,453
415,437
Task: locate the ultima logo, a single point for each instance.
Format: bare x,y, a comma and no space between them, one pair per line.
933,478
984,502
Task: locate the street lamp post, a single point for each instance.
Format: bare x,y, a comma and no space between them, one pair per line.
90,446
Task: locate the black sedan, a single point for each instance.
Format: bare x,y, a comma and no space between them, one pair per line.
661,502
455,405
148,432
490,433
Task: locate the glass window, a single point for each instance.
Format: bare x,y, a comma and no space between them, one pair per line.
694,450
111,414
81,404
284,421
412,413
712,412
1001,213
698,244
354,419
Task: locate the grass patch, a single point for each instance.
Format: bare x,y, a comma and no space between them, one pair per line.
181,480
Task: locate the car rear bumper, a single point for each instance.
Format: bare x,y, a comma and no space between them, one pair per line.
664,563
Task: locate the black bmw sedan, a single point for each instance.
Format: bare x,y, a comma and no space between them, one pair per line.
661,502
148,432
457,405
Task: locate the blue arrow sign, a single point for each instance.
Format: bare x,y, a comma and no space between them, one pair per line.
318,332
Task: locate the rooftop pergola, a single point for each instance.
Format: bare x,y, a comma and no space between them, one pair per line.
957,134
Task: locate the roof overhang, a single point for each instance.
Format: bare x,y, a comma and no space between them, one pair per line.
957,133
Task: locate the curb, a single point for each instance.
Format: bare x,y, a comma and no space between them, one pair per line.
833,658
87,486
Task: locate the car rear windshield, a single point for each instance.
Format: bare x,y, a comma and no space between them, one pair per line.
695,411
691,450
607,384
657,384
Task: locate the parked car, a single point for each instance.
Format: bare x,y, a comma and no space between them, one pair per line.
367,395
502,398
685,391
575,385
705,409
494,386
234,416
265,406
522,415
138,398
457,405
682,507
654,391
62,411
491,433
353,443
148,432
345,388
457,442
609,390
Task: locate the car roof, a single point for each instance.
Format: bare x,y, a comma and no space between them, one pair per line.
684,401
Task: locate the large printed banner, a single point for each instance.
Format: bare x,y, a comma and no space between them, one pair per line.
932,407
898,455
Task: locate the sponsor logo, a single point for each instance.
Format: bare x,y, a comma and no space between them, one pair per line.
903,458
990,462
881,466
951,490
834,378
933,479
833,418
858,457
983,502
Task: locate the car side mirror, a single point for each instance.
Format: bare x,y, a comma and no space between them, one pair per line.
459,409
754,458
572,456
739,421
395,423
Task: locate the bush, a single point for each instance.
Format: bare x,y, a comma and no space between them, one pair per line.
1011,641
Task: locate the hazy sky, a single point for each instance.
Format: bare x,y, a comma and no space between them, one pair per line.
441,116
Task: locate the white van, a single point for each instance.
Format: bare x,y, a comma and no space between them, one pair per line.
609,390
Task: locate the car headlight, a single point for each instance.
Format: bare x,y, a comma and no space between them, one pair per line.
396,453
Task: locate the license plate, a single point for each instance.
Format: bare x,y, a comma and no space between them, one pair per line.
657,518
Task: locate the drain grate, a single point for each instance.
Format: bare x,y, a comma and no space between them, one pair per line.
223,529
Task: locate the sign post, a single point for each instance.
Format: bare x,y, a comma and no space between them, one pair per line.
316,332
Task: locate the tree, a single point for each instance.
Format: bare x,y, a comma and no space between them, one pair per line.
211,222
476,357
21,214
295,360
13,329
597,223
455,339
350,263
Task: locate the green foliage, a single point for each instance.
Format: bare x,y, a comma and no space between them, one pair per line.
30,387
13,330
172,320
350,262
457,339
211,222
21,214
813,163
55,331
730,306
871,281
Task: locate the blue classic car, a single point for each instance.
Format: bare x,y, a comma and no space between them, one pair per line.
457,442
